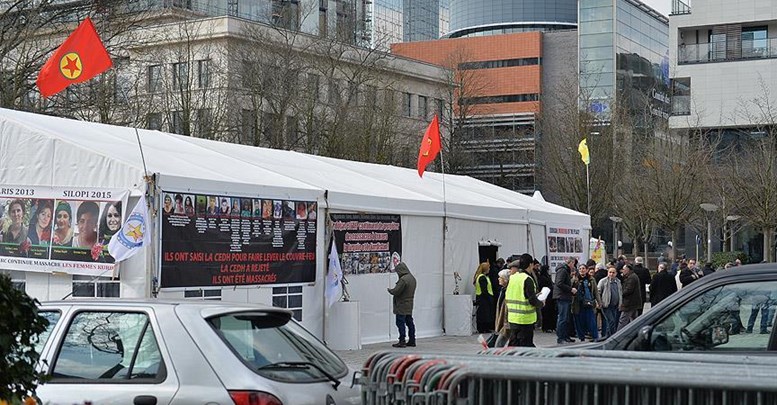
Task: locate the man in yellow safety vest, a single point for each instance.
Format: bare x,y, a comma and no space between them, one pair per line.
522,302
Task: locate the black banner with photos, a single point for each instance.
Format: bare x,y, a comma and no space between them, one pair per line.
216,240
368,243
60,229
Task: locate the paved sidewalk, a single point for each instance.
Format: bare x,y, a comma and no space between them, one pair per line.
442,344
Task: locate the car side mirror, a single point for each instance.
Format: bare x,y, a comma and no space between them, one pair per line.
644,338
718,335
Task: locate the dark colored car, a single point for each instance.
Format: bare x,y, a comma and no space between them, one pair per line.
730,311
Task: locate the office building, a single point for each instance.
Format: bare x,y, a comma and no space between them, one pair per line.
723,54
495,17
624,62
500,81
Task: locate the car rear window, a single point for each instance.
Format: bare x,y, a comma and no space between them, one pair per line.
53,318
261,339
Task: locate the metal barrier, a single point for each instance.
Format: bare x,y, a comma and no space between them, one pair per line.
557,376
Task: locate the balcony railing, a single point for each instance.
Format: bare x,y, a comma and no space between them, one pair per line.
721,52
679,7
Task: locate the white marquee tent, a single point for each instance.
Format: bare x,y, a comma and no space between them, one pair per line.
37,150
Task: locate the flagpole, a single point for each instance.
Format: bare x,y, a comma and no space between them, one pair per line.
444,225
142,156
588,189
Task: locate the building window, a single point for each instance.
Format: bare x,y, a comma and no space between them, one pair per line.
154,78
187,4
681,96
203,73
203,294
292,131
289,298
285,14
512,98
154,121
177,122
423,107
334,92
205,123
248,125
754,42
314,85
181,74
88,286
370,96
407,104
440,108
493,64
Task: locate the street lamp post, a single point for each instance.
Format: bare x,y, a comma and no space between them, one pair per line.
709,209
615,220
732,218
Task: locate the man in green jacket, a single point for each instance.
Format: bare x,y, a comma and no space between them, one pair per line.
403,293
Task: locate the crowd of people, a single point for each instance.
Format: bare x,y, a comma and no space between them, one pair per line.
589,301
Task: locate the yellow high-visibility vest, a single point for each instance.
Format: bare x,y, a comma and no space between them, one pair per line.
488,285
519,310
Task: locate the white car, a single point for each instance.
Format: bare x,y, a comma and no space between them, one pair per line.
194,352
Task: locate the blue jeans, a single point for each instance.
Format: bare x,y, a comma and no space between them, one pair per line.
562,321
611,316
765,316
403,320
586,322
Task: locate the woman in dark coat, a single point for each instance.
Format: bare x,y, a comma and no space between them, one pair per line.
484,299
549,310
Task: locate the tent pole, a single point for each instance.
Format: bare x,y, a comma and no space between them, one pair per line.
444,230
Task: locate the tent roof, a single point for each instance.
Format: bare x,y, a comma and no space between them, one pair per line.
92,154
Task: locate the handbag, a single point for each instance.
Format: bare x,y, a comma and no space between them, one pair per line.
588,303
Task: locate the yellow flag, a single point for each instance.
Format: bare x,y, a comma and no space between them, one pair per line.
583,149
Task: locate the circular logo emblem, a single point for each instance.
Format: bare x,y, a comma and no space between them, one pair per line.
70,66
133,236
395,259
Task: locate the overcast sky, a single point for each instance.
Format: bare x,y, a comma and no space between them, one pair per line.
662,6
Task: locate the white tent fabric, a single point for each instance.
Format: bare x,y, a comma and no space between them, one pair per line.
51,151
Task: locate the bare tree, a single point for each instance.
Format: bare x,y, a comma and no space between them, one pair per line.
563,173
752,169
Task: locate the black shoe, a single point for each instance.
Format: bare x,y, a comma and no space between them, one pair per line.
570,340
764,332
410,343
560,342
399,344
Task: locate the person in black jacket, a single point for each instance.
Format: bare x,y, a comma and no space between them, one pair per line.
662,285
549,310
644,279
562,293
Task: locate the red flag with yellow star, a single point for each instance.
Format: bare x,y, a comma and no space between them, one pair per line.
430,146
81,57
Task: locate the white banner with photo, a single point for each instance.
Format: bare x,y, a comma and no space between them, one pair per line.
563,242
59,229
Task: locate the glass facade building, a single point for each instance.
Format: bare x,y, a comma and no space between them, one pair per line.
383,21
408,20
624,59
495,17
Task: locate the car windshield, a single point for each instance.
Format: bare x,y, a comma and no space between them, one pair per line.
264,339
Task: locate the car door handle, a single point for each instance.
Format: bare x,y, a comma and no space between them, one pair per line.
144,400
